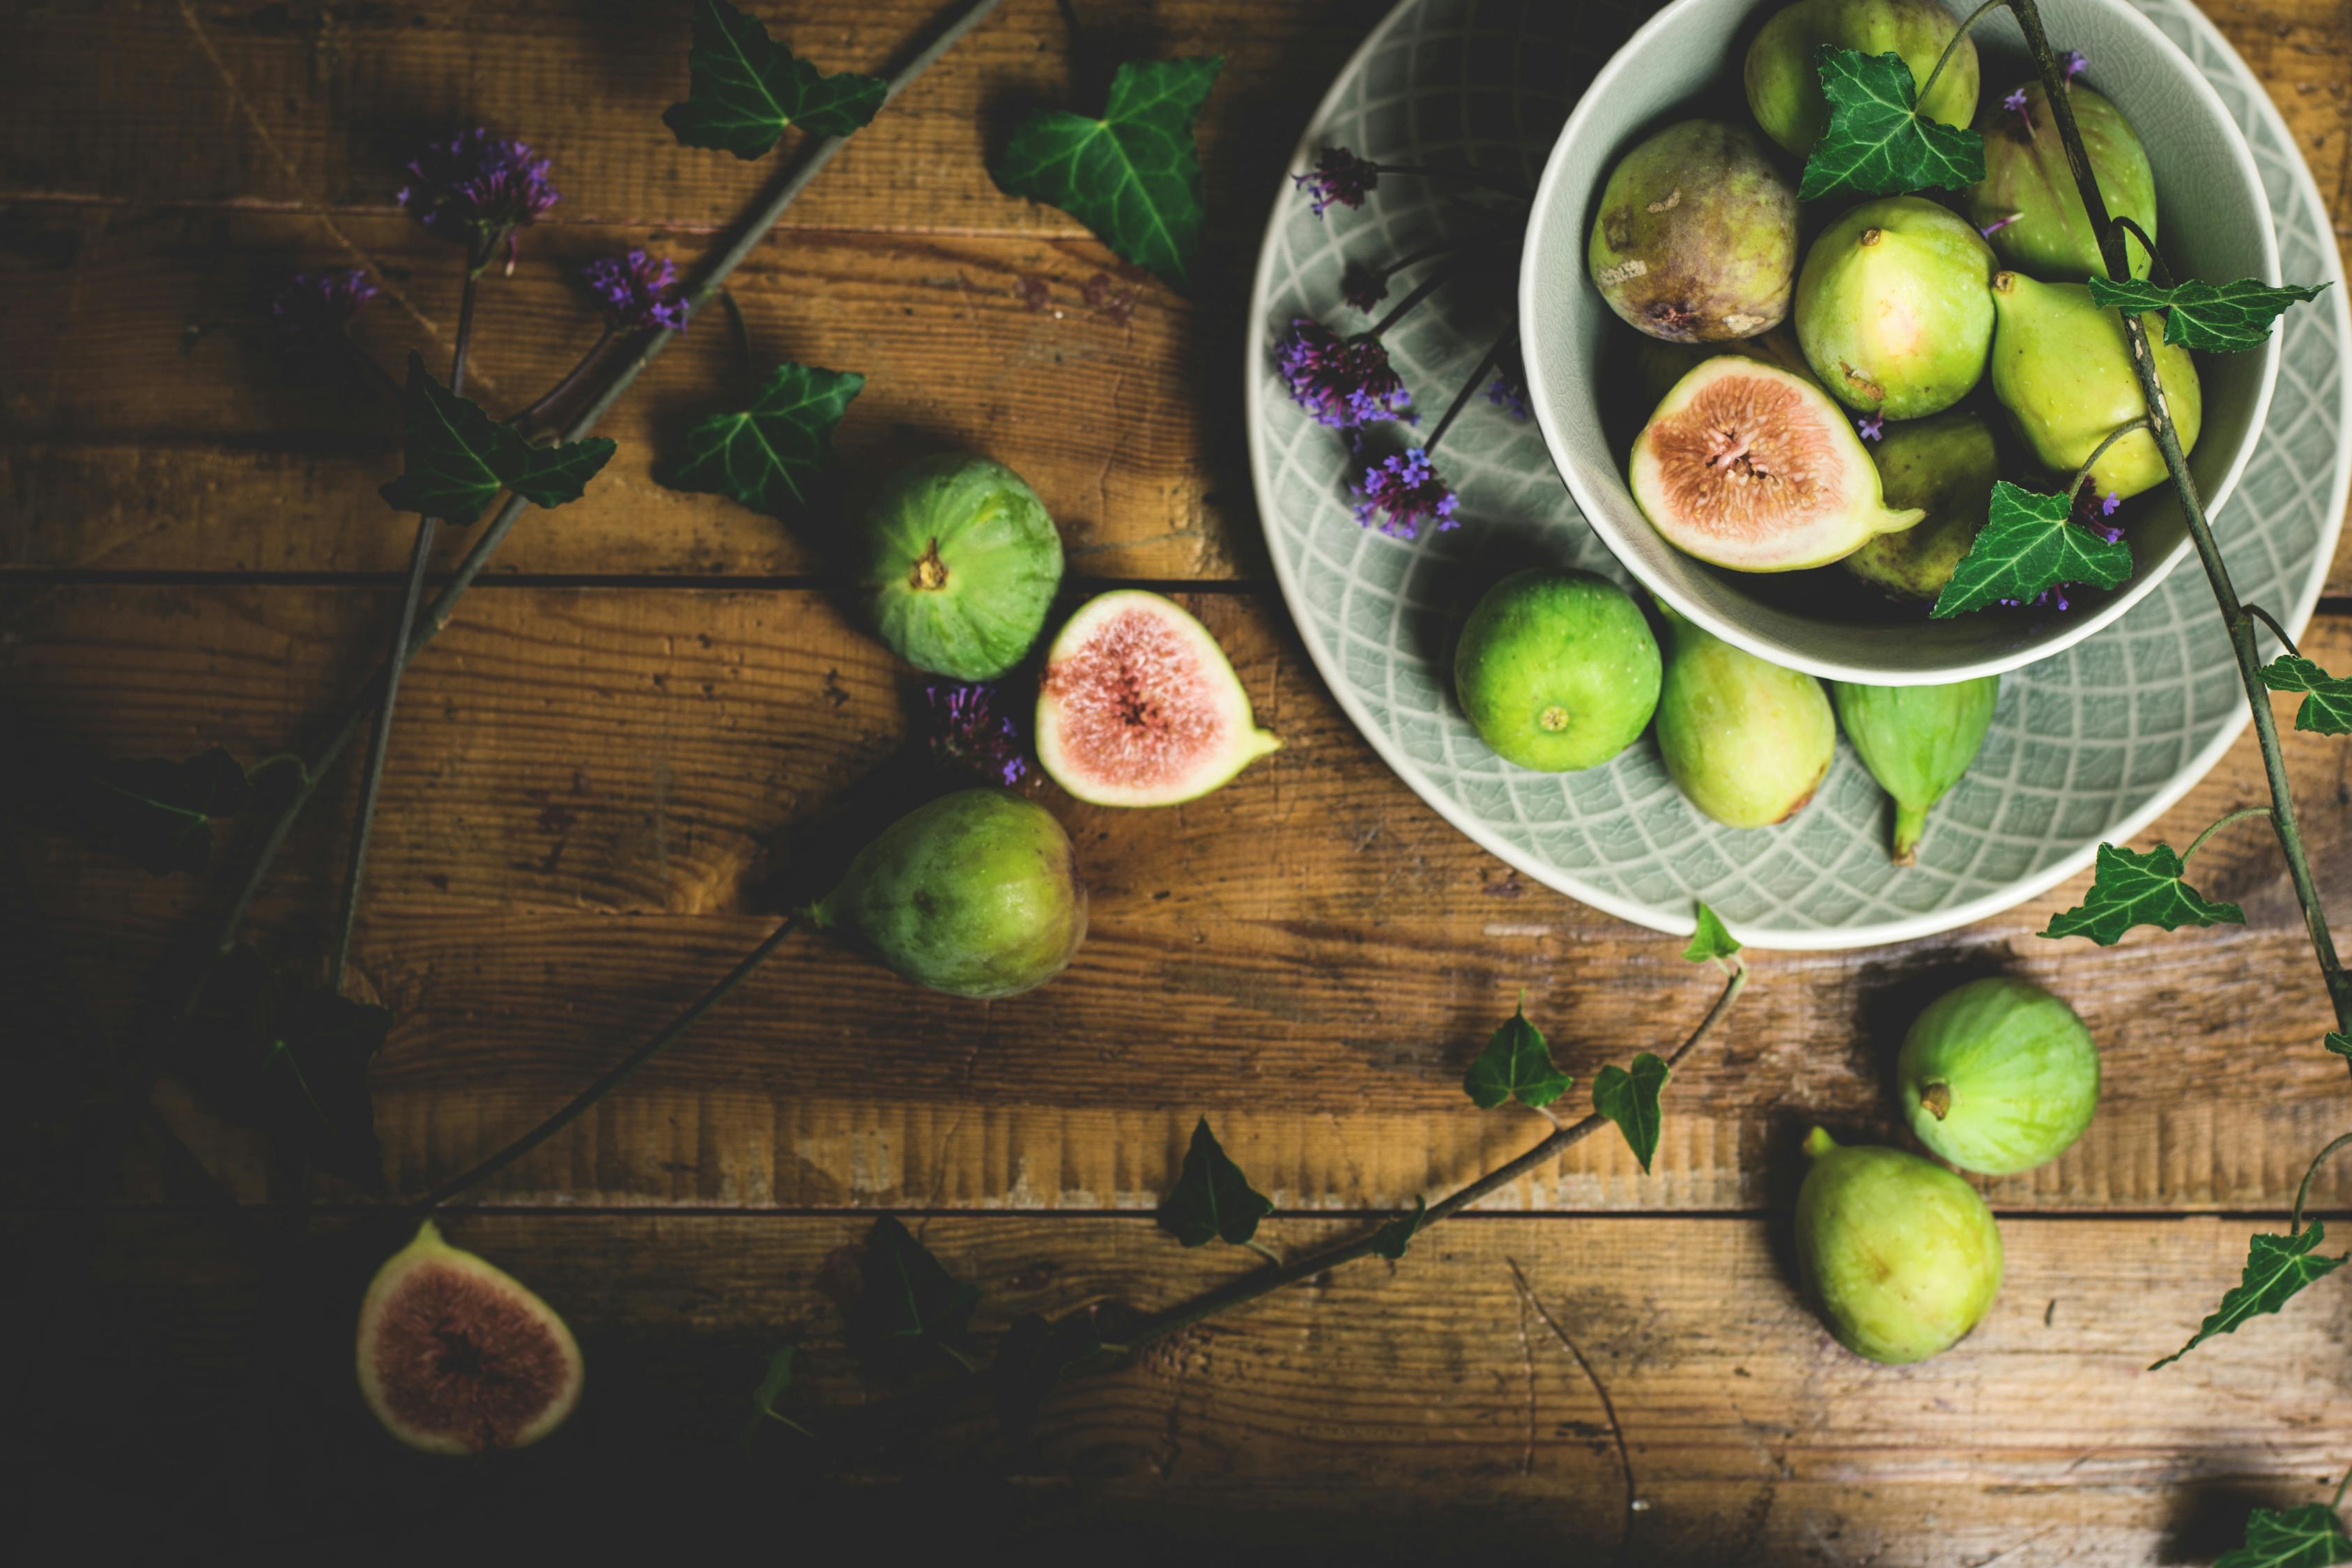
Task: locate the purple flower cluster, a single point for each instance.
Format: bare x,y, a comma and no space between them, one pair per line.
2015,104
638,291
1364,287
1872,428
969,735
1338,177
1408,490
2075,61
477,189
1344,383
1509,391
312,305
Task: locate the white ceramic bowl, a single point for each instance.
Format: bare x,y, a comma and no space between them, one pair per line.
2213,222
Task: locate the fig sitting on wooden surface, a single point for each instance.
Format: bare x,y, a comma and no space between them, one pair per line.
1997,1076
1694,237
958,563
1747,742
1901,1255
1916,742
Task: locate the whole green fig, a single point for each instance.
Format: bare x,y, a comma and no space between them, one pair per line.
1748,741
958,563
1916,742
1997,1076
1784,84
1901,1255
2062,368
1945,466
1556,670
2028,203
1694,237
976,894
1893,307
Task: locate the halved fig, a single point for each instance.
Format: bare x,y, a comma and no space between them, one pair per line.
1138,706
1751,468
456,1356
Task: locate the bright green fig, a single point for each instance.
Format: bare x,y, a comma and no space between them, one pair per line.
1754,469
1997,1076
957,561
1895,308
1694,238
1901,1255
2062,368
1660,363
1557,670
1945,465
976,894
1748,741
1916,742
2028,203
1784,84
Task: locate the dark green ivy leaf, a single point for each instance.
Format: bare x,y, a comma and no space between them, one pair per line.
1134,175
1212,1200
1390,1241
910,1305
157,812
1877,144
2027,545
743,89
2218,318
2327,707
1516,1065
2306,1537
2134,889
2276,1267
457,458
1710,939
770,1393
773,456
1030,1359
1630,1100
2340,1044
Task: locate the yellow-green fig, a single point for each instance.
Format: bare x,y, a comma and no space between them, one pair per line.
1747,742
1945,466
1783,78
2028,203
2062,368
1695,236
1895,308
1997,1076
1556,670
1901,1255
1660,364
1916,742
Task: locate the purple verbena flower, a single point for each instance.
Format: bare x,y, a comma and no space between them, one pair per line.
1407,489
638,291
1872,428
2107,506
1509,390
1364,287
1338,176
1344,383
2015,103
2075,61
479,189
969,735
1997,225
314,304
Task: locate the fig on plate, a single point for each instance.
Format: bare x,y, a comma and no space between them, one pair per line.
1556,670
1916,742
456,1356
976,894
1754,469
1945,466
2028,203
1138,706
1747,742
1694,239
957,561
1997,1076
1901,1255
1895,308
2062,368
1784,84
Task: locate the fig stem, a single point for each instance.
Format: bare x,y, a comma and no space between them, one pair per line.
2240,814
2294,1223
1949,44
2277,630
1936,1100
1910,825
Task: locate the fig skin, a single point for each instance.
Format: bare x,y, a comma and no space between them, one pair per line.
1556,670
1998,1076
1695,236
2028,180
1895,308
1660,364
1916,742
1784,84
976,894
1754,469
1901,1256
2062,371
1945,465
1745,741
957,561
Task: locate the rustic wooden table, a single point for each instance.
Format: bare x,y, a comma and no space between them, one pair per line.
652,711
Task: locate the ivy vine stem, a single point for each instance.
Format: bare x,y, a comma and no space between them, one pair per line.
2228,819
2294,1221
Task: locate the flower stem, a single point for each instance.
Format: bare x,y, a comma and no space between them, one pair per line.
1469,388
1420,290
2227,819
1453,177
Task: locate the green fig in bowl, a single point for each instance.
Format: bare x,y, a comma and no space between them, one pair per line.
1783,80
1901,1256
1916,742
1997,1076
2061,369
1945,466
1695,236
1556,670
2028,203
1895,308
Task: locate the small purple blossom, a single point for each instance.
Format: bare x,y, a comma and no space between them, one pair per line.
1339,176
479,189
2015,103
638,291
1344,383
2075,61
2107,506
967,734
1364,287
311,305
1997,225
1872,428
1408,489
1509,390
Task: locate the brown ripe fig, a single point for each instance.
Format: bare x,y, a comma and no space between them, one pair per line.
1695,236
456,1356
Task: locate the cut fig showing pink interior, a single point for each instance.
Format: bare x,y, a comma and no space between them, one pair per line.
1138,705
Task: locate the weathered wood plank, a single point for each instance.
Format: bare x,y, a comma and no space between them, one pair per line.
594,792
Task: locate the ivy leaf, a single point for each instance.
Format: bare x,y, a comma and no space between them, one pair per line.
1030,1359
770,1393
2340,1044
2134,889
457,458
2306,1537
1134,175
910,1305
1630,1100
1877,144
2219,318
743,90
2327,707
2028,546
1516,1065
1710,939
1390,1241
773,456
1212,1200
2276,1267
159,813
